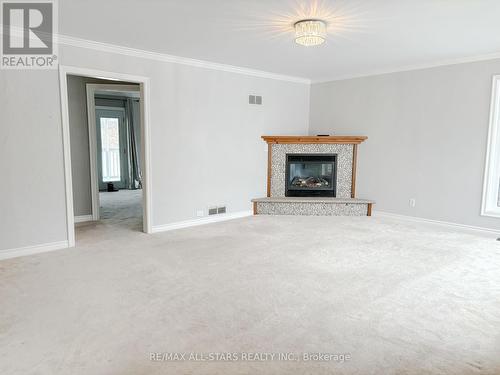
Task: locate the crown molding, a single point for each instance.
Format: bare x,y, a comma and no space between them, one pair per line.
143,54
408,68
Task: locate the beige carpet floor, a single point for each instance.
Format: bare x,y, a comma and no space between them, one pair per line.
395,297
120,209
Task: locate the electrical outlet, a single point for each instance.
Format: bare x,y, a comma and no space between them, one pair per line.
413,202
200,213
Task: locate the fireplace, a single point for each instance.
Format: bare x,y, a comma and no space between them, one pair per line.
311,175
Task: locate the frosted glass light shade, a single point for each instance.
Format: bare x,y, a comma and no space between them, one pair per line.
310,32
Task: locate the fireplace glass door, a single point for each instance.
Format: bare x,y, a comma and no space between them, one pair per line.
310,175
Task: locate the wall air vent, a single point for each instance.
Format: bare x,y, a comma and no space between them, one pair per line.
255,99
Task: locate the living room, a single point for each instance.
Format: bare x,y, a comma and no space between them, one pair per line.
250,187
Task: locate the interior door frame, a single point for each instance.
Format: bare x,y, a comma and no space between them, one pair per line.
123,141
92,89
144,90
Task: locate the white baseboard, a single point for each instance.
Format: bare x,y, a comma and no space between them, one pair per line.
456,226
201,221
83,218
29,250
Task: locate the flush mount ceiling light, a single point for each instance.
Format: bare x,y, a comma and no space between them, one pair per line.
310,32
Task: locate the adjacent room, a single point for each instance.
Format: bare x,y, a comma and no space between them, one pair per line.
250,187
105,139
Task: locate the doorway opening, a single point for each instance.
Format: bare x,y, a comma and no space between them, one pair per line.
106,149
114,124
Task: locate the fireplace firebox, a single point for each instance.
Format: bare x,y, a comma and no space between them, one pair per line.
311,175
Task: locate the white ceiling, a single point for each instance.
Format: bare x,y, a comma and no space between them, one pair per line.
365,36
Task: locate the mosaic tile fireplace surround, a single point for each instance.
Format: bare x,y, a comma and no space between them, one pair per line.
312,175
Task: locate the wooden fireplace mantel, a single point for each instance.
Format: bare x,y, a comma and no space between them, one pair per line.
314,139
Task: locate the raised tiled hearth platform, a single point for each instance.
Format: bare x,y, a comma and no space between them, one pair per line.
313,206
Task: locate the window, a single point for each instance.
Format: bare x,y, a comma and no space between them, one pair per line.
491,193
110,146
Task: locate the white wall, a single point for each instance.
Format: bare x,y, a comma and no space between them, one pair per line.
206,147
427,139
32,192
427,134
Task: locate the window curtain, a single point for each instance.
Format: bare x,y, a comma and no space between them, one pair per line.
498,198
134,143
